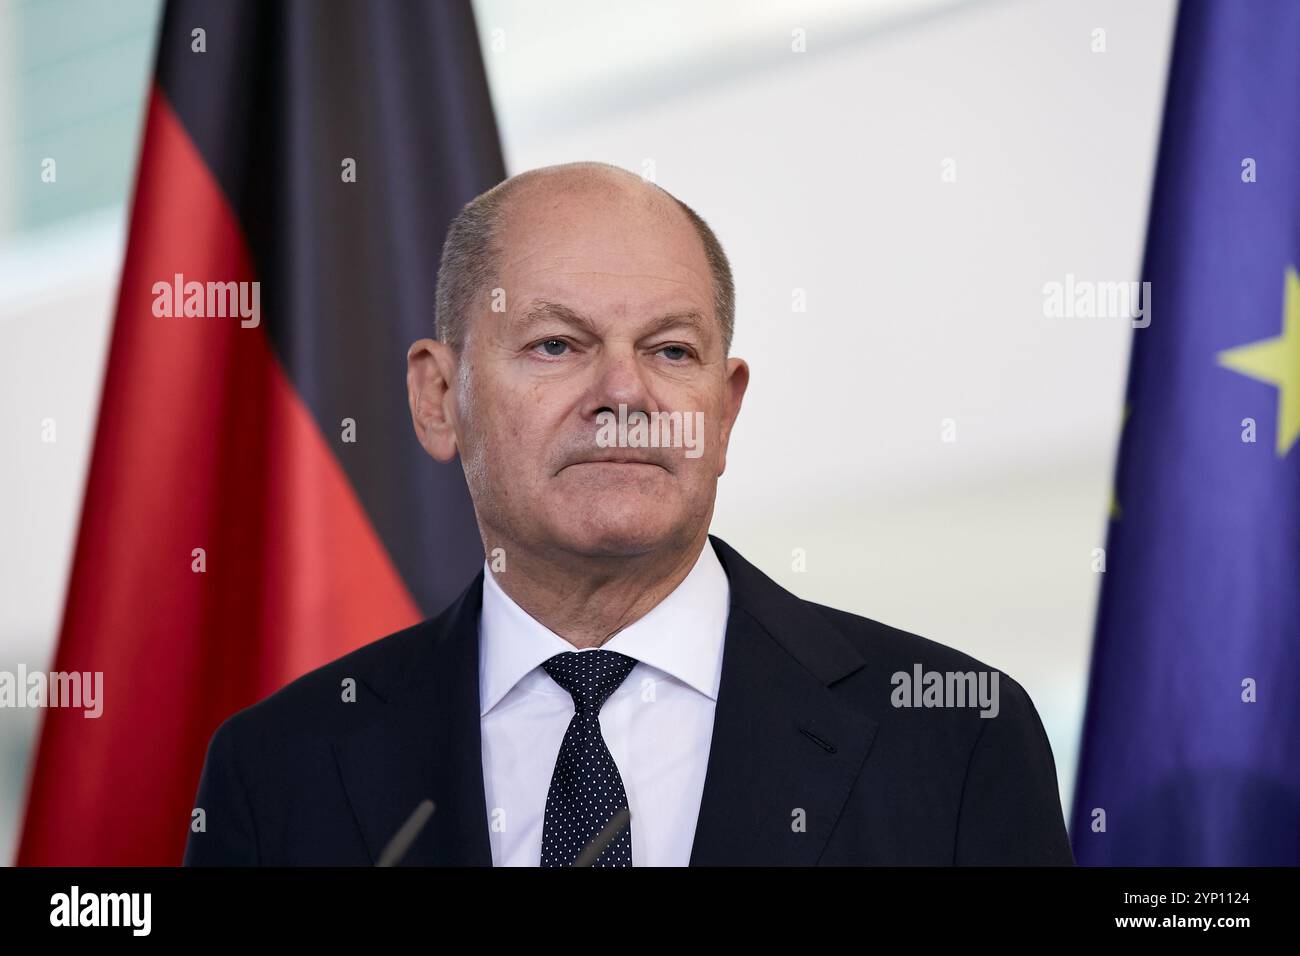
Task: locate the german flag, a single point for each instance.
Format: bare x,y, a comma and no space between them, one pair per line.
257,504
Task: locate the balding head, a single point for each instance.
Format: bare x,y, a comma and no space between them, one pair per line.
477,237
614,299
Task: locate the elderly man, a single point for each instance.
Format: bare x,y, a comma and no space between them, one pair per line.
617,687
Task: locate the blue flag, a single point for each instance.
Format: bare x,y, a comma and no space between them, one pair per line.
1191,743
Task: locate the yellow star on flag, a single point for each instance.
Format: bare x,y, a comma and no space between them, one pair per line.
1277,362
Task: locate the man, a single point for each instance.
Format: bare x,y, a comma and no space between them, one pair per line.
617,687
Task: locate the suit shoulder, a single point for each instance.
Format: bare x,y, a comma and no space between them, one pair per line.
894,650
901,669
307,703
889,646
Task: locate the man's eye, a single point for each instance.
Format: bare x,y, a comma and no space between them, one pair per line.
674,352
554,346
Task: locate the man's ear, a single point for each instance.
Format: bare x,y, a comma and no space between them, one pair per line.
431,392
737,382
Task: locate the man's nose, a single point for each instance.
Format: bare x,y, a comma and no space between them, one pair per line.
620,380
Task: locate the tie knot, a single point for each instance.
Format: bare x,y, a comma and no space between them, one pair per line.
589,676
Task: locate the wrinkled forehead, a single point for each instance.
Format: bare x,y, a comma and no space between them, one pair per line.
613,245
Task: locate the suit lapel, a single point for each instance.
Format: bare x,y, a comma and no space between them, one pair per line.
785,750
425,743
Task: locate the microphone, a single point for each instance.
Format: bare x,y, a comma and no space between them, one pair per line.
406,834
401,841
613,828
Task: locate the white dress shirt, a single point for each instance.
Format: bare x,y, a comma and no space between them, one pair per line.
658,724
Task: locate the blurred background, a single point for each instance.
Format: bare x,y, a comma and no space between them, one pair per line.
893,199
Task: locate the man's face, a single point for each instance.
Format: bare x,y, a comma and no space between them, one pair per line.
608,302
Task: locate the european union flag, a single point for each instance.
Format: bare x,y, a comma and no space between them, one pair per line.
1191,746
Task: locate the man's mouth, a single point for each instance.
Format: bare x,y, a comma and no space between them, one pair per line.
623,460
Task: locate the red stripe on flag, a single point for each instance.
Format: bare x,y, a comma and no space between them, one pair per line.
202,443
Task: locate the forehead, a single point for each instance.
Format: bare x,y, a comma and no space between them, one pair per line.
613,248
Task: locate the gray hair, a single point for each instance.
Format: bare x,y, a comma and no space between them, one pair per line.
472,248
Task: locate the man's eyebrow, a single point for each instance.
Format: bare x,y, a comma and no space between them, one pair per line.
690,318
541,310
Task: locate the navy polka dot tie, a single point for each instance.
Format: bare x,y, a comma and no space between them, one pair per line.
586,789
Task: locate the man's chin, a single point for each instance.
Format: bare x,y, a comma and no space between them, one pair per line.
620,511
617,531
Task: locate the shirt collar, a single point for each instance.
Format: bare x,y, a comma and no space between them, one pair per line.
682,635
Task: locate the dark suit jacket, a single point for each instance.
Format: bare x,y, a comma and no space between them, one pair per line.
804,722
